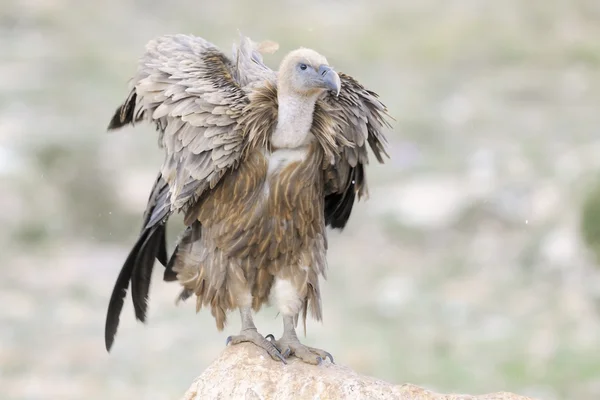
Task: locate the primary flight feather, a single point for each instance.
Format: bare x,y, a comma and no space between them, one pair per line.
260,162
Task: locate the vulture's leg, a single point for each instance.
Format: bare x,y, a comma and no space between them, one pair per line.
290,344
250,334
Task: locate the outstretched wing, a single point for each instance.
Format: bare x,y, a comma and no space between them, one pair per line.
359,120
191,91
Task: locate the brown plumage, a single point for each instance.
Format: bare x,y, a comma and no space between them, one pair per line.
259,162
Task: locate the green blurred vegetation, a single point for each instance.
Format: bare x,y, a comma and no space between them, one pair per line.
590,219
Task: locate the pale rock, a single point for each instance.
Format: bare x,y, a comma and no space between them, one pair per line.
245,372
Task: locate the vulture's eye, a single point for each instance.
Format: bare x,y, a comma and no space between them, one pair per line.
303,67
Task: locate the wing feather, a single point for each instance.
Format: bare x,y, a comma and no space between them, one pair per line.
359,118
193,94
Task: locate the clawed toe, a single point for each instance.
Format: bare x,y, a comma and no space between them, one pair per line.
277,356
253,336
322,353
307,354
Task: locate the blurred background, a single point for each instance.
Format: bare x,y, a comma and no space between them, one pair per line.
472,268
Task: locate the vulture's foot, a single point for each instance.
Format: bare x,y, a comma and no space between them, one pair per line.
252,336
290,345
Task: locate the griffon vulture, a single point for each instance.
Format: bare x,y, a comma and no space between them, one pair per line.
259,162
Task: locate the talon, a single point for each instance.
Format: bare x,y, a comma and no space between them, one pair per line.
278,354
270,336
252,336
289,345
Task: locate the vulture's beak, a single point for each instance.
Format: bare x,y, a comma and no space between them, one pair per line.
330,79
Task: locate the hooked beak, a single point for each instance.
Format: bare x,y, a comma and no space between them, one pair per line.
330,79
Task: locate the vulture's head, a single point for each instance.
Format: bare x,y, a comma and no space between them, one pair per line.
305,72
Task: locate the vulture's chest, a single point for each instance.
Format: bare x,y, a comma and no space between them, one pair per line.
291,177
289,209
272,203
283,163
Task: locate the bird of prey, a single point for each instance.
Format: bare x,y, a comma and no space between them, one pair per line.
260,163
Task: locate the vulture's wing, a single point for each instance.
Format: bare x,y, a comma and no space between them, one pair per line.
249,63
360,119
192,92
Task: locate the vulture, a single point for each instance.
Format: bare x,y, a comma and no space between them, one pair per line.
259,163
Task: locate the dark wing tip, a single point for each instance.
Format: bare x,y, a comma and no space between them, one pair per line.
115,305
109,334
117,298
161,255
125,113
170,275
149,250
115,122
338,206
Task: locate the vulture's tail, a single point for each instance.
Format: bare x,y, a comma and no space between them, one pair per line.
150,245
137,269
